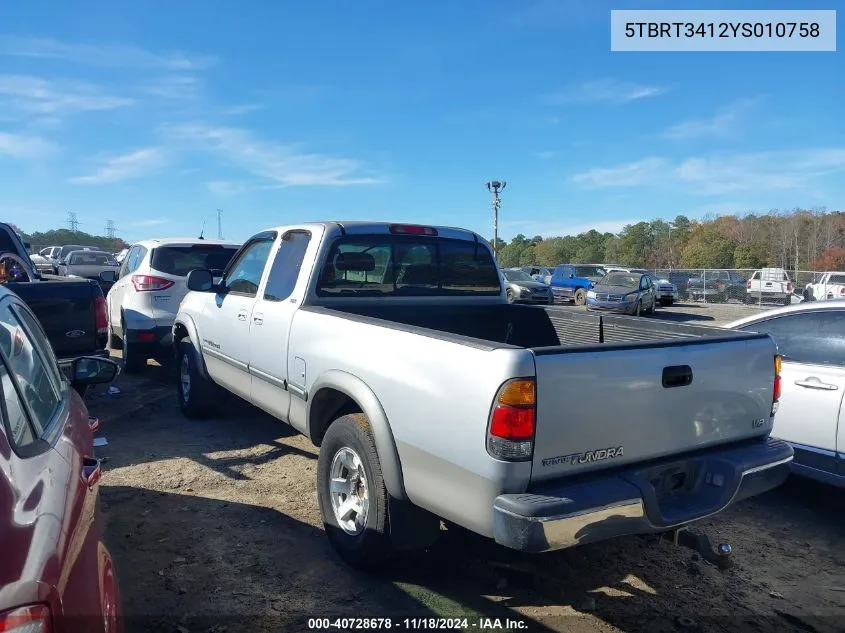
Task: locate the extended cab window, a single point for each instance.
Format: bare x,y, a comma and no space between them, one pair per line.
408,265
245,275
286,265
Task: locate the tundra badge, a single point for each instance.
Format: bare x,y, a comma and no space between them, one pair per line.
583,458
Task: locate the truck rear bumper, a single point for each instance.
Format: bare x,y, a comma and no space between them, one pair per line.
650,498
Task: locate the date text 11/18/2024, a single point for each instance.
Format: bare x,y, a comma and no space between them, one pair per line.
417,624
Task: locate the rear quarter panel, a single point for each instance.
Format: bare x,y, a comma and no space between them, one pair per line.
436,394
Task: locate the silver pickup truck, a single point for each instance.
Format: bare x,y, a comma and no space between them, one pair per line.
393,348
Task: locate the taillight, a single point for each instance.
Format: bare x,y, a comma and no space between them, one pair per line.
510,434
776,389
102,316
147,283
842,290
789,286
412,229
30,619
748,284
719,284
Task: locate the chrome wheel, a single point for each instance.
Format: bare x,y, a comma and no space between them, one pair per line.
348,491
185,377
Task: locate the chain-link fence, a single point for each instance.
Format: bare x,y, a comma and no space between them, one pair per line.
768,286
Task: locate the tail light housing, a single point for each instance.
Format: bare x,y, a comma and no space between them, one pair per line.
777,385
748,284
510,433
719,284
789,286
412,229
149,283
102,317
842,290
30,619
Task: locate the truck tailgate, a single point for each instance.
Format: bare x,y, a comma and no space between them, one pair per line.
607,405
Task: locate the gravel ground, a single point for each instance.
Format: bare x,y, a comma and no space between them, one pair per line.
214,526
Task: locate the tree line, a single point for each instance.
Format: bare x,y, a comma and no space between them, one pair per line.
797,240
61,237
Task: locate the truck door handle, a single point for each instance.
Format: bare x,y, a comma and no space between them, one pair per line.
814,383
242,315
677,376
258,319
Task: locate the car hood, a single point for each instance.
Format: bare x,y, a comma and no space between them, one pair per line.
616,290
533,285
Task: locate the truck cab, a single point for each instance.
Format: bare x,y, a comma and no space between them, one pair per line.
572,281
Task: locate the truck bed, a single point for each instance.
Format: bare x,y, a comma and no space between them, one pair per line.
522,326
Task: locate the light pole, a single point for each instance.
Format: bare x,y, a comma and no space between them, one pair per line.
671,226
495,187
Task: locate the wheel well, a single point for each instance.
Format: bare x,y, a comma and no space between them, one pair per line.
179,332
328,405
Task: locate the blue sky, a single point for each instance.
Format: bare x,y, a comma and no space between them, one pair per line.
155,114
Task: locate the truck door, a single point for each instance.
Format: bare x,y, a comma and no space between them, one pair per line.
224,335
275,376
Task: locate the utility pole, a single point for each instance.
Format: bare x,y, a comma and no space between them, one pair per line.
219,224
72,221
110,229
495,187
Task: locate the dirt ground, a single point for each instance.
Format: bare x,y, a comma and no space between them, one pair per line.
214,526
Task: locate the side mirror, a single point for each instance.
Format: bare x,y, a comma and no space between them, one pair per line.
92,370
200,280
108,276
571,276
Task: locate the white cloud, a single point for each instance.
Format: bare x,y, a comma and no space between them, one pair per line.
174,87
34,95
246,108
605,90
279,164
128,166
720,174
113,55
24,146
722,123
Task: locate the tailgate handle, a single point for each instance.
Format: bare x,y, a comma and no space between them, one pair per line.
677,376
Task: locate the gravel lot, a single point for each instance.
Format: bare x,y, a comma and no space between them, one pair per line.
214,526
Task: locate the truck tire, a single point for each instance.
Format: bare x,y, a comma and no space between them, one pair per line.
638,310
198,396
352,496
134,360
580,297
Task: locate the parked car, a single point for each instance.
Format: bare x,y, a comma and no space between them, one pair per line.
523,288
146,292
539,273
665,291
60,256
826,286
572,281
56,572
394,349
717,286
630,293
769,284
87,264
43,260
680,279
71,311
811,340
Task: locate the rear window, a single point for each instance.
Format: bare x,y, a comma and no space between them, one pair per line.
376,265
180,260
837,279
589,271
91,258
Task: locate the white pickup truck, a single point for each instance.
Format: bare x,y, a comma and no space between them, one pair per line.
829,285
394,349
769,284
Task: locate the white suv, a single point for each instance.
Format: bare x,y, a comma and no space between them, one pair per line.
145,297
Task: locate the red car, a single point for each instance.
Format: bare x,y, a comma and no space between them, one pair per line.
56,574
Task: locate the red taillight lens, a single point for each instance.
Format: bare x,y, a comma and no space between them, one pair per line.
719,284
102,315
842,290
147,283
777,385
513,421
789,286
412,229
31,619
748,284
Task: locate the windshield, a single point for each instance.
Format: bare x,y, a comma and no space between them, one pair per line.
376,265
625,280
91,258
518,276
589,271
180,260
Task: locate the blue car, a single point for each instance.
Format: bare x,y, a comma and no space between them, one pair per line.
629,293
572,281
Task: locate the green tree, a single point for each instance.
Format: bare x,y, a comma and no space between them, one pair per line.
707,248
751,255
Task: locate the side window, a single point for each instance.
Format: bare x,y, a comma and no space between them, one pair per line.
127,261
32,365
286,265
244,276
18,427
817,337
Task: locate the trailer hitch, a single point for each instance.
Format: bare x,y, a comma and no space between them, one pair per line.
720,556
